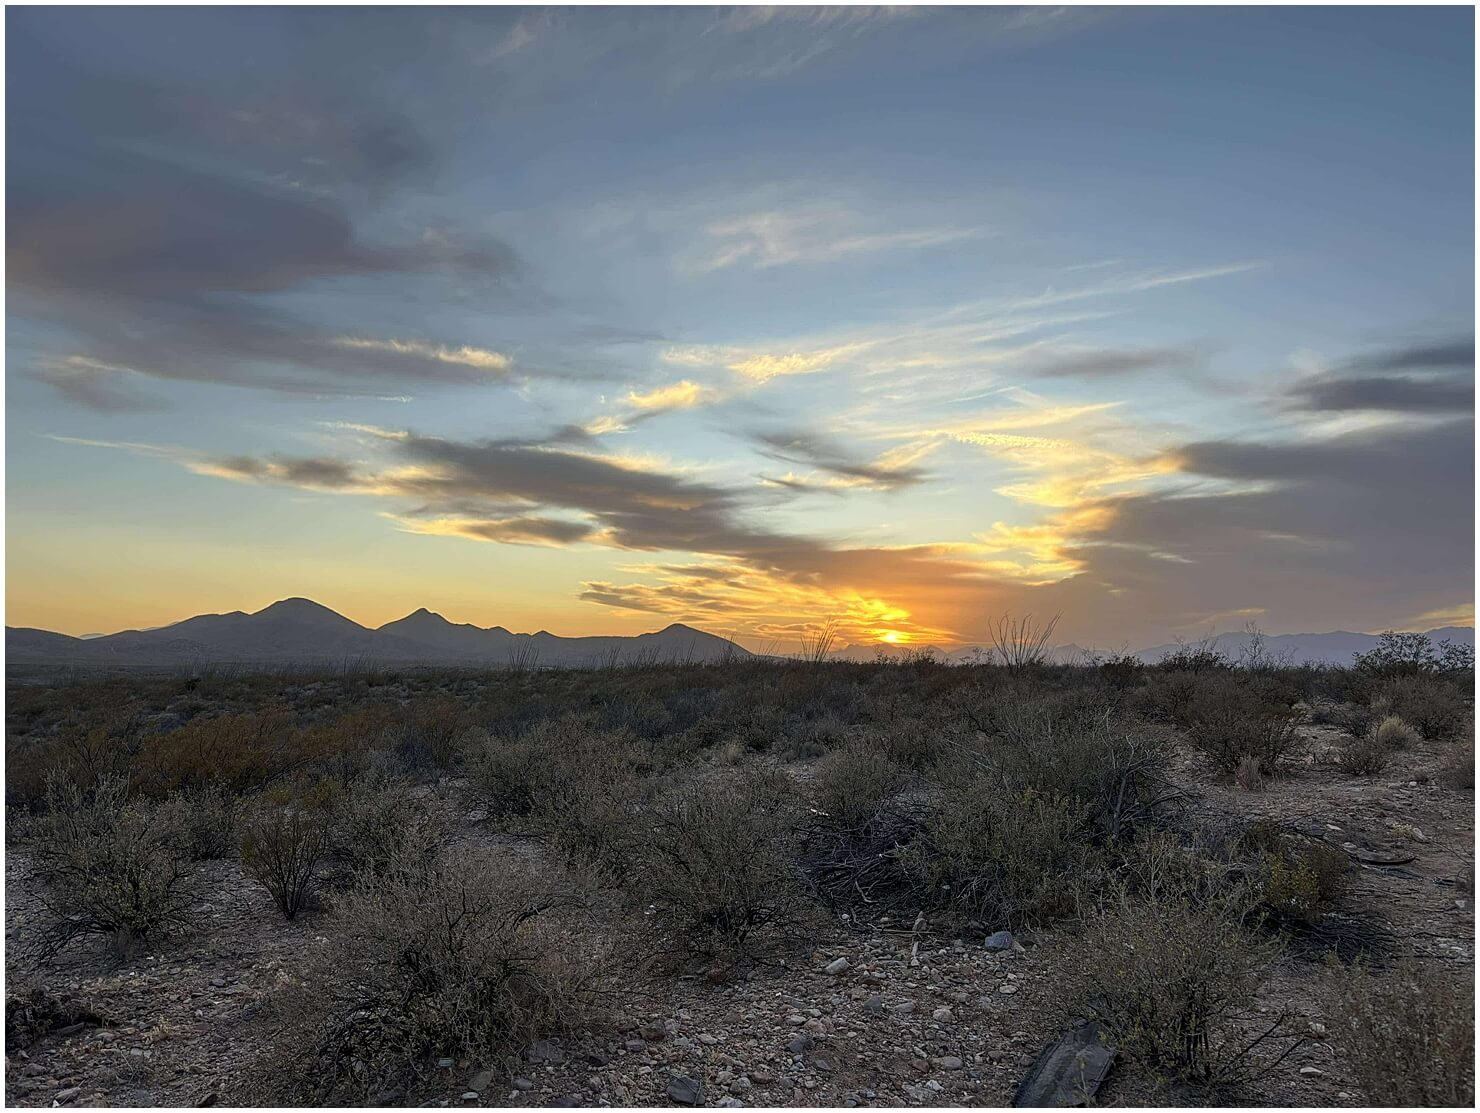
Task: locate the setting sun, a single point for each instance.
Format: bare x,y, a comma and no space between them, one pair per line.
893,637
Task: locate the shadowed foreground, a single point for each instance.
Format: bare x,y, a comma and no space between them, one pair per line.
759,884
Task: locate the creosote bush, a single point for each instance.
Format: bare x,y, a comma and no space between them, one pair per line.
207,818
717,864
110,866
282,845
1408,1032
1436,707
1170,981
1232,722
1002,857
852,782
567,781
380,823
470,960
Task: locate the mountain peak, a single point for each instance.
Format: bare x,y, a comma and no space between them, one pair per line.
301,610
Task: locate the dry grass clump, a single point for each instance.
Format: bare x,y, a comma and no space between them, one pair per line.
471,959
1407,1033
717,864
282,846
1392,733
1170,979
853,782
109,866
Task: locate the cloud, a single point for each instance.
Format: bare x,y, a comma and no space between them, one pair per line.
810,450
526,530
1435,378
99,386
784,237
682,395
1257,523
170,231
1095,363
481,359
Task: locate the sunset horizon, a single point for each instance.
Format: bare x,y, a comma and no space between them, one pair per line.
752,319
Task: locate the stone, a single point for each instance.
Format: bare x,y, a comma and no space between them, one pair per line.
798,1043
653,1032
1312,1072
523,1084
762,1077
1002,941
470,1095
707,1040
741,1085
948,1062
836,966
685,1090
1007,988
481,1081
445,1064
943,1015
904,1008
545,1051
69,1093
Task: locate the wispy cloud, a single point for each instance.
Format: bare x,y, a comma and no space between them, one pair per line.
805,235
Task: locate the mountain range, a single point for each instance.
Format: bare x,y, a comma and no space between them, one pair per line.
300,631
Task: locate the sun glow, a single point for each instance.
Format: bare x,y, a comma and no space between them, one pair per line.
893,637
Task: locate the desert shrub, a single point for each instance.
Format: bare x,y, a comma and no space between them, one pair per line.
717,864
282,845
852,782
470,960
1171,982
1436,707
109,866
1458,770
1122,671
239,753
564,780
1299,879
430,731
206,817
1397,654
378,824
1001,857
1200,656
1363,756
1407,1033
1229,721
1164,697
1107,765
38,1011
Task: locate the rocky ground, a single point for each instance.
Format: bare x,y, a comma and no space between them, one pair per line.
896,1014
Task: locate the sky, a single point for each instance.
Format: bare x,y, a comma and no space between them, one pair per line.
595,320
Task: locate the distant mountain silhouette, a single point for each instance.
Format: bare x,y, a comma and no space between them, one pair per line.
1334,648
300,631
